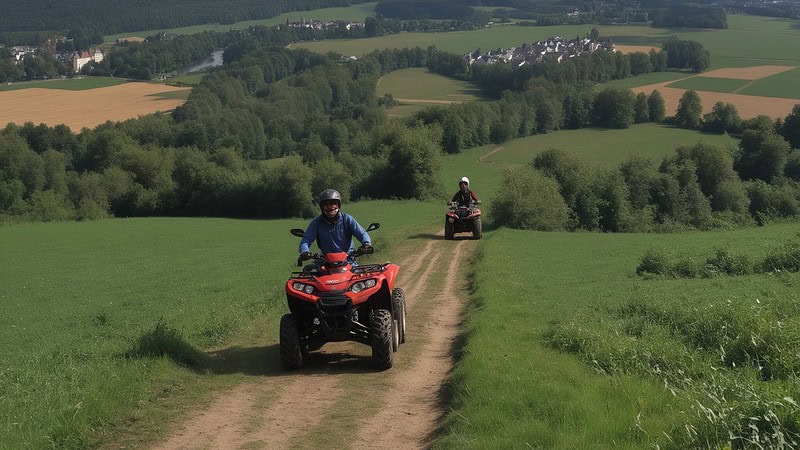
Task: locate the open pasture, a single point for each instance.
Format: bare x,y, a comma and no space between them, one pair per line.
419,85
606,147
90,107
785,85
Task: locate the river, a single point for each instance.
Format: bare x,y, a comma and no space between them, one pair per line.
212,61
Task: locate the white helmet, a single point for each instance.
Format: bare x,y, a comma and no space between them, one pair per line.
464,180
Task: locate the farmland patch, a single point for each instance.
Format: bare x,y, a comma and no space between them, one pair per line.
747,105
709,84
87,108
605,147
784,84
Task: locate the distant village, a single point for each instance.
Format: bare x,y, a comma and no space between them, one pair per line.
556,48
320,25
74,59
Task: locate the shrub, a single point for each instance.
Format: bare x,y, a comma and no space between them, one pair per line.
530,201
768,202
723,262
685,267
165,341
785,258
653,262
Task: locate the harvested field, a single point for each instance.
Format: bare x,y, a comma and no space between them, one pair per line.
635,48
747,105
746,73
87,108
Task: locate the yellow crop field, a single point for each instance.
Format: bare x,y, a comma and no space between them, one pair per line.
86,108
747,105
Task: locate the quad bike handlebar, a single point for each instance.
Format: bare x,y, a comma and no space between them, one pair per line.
454,205
363,250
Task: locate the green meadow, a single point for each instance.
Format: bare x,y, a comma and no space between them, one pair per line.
186,80
420,83
644,80
783,85
70,84
606,147
102,322
709,84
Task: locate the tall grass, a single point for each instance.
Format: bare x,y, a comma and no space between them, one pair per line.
566,347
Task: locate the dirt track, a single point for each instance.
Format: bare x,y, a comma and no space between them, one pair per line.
404,404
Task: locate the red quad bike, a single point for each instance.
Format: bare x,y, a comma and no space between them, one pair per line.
332,300
459,219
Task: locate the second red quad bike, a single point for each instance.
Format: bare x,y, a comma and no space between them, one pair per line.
460,219
333,299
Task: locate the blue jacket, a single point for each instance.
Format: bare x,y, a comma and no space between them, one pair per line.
334,237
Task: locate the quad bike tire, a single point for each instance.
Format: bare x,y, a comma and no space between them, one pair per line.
449,230
381,334
291,351
477,229
399,310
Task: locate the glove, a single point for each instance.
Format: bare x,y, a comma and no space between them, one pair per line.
367,249
305,256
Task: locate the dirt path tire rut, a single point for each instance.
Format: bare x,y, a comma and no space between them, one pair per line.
404,402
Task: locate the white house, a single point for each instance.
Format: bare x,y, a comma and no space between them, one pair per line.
80,59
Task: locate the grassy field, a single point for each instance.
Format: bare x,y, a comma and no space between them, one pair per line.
645,80
515,386
82,300
355,13
71,84
420,83
186,80
709,84
783,85
605,147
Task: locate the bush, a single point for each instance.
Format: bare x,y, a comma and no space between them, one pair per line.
530,201
786,258
724,263
768,202
654,262
165,341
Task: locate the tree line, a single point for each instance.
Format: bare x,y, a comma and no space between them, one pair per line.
701,186
260,135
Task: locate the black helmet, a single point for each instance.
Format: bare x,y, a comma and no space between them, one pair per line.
330,194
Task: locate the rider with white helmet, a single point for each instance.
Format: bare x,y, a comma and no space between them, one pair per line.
464,196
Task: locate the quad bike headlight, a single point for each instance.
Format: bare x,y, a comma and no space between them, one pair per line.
307,288
361,285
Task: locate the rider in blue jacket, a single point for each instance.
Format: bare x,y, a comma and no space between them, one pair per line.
332,229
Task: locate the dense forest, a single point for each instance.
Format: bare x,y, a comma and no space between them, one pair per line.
260,135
